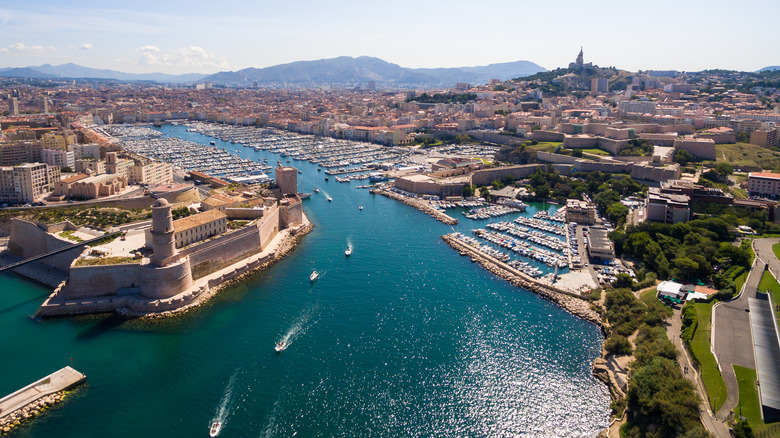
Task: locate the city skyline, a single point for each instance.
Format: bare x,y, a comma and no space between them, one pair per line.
196,37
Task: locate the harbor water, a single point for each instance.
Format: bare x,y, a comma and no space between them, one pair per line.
403,338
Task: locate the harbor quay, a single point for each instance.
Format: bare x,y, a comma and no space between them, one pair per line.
30,400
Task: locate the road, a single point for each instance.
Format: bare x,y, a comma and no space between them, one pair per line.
731,338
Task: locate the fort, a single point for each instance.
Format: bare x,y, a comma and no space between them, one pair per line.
165,266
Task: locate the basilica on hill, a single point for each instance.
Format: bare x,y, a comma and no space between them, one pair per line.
579,62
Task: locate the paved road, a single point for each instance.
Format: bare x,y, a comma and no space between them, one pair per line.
731,338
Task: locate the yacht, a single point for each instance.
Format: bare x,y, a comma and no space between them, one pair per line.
314,276
216,426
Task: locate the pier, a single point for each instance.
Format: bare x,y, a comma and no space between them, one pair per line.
28,401
420,204
569,301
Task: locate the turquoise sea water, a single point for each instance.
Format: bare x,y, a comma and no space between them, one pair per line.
403,338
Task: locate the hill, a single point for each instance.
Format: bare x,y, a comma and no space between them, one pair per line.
350,71
75,71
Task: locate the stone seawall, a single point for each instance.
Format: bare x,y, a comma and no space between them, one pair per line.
419,204
201,292
568,301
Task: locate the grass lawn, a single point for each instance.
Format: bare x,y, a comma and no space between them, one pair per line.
700,346
740,280
744,154
546,146
651,301
769,284
776,250
748,398
595,152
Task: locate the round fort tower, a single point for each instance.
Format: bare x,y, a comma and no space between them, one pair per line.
163,243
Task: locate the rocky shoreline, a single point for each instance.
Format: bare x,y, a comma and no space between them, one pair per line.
29,411
419,204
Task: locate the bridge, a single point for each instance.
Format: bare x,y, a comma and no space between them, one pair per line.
57,251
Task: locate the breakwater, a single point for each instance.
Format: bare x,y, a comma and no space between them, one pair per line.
28,402
420,204
568,301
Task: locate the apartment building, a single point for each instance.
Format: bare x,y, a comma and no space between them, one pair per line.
152,173
59,158
27,182
763,184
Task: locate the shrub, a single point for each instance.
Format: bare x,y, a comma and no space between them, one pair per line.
616,344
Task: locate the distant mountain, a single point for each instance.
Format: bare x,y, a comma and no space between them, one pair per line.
75,71
770,68
24,72
346,70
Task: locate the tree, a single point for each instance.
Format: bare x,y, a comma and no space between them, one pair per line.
617,211
484,192
724,168
542,191
66,169
683,157
468,191
576,153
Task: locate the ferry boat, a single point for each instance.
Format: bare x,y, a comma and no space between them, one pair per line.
314,276
348,252
280,346
216,426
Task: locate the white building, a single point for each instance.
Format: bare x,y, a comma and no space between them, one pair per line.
59,158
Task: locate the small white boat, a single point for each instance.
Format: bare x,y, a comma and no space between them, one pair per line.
348,252
316,190
330,199
314,276
216,426
360,208
280,346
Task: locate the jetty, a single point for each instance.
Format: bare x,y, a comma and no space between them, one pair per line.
29,401
571,302
420,204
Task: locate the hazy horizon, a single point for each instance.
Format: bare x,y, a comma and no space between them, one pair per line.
199,37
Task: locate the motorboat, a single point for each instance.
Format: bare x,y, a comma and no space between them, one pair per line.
348,252
326,178
213,143
316,190
299,172
280,346
330,199
216,426
314,276
360,208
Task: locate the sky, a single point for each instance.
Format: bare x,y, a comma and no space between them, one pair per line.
195,36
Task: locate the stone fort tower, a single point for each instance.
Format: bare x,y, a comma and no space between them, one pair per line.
287,179
163,243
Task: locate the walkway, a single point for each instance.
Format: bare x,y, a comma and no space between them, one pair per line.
711,423
55,382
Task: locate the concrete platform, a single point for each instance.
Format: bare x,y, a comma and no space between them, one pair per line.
54,382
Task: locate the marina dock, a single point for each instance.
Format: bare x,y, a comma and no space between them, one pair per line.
26,402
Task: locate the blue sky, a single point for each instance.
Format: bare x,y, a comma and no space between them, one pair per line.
142,36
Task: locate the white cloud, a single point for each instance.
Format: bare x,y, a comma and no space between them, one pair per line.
85,46
22,49
193,57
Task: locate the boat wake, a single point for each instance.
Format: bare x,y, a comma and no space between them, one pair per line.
350,247
298,328
225,406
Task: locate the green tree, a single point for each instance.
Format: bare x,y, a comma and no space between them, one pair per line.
542,191
617,212
468,191
683,157
724,168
